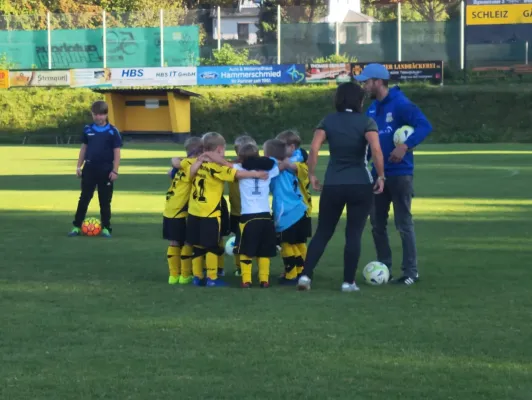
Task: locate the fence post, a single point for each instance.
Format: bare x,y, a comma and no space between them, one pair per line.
104,38
49,29
526,52
337,40
161,35
278,34
219,27
399,36
462,35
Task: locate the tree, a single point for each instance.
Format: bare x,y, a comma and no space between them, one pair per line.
72,14
432,10
20,14
227,55
411,10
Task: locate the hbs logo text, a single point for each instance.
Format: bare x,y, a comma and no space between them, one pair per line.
132,73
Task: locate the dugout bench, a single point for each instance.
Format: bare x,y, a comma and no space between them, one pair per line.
150,113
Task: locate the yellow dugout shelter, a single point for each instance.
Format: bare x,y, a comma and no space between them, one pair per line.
149,111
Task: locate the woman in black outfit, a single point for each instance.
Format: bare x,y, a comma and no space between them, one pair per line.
348,181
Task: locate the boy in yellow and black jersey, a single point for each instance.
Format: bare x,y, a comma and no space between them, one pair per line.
298,157
179,254
205,204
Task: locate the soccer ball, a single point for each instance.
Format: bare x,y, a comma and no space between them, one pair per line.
91,227
376,273
401,134
229,246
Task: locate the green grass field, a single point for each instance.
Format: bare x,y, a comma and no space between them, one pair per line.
89,318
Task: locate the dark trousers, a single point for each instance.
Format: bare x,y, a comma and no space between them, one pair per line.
398,191
91,178
333,199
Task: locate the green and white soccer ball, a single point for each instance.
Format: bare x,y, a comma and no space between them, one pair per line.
229,246
402,134
376,273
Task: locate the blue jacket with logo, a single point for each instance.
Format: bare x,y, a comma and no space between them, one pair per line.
394,111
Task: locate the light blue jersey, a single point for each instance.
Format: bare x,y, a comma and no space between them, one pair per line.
288,207
297,156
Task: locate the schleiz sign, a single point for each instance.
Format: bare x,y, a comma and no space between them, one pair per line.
498,12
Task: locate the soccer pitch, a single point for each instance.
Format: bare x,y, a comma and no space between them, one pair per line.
91,318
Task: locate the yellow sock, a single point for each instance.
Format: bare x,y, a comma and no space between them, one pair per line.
173,256
186,261
197,261
302,247
301,250
212,265
245,268
264,269
287,252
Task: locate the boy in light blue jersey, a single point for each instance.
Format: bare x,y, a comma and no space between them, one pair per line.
298,164
289,211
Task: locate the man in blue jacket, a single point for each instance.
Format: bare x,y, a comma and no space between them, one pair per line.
391,109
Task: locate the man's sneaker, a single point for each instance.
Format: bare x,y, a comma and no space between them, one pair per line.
215,283
185,281
245,285
74,232
304,283
238,273
406,280
105,233
172,280
350,287
264,285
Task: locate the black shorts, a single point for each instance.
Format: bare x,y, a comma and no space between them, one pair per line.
225,228
235,228
175,229
308,226
203,231
297,233
257,236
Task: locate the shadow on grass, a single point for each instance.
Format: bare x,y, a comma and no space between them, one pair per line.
145,183
35,245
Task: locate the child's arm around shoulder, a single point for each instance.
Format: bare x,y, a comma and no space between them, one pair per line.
244,174
217,159
236,171
259,163
286,165
194,168
176,162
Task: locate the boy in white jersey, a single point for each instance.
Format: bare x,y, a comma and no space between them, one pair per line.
257,230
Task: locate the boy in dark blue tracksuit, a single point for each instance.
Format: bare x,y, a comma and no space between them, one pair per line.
100,158
391,109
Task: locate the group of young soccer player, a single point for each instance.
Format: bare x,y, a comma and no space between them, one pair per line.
197,218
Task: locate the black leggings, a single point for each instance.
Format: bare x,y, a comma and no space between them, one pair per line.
92,178
333,199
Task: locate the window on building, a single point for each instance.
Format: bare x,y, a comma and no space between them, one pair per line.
243,31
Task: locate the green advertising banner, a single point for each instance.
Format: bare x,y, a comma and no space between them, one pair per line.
83,48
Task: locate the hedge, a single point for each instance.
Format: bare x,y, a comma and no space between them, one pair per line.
467,114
